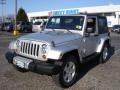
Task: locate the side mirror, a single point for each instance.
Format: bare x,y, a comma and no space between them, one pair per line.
89,30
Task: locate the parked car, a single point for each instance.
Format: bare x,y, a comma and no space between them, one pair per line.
8,26
66,43
23,26
38,26
116,28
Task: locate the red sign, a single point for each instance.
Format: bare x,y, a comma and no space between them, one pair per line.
50,13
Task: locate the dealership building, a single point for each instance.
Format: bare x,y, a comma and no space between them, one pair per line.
112,12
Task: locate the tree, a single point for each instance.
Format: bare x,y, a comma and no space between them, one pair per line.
22,16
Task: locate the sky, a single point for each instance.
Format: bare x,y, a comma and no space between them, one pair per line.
44,5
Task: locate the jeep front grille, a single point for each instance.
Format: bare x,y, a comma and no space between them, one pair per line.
29,48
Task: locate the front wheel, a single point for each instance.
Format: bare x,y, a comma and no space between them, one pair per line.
69,72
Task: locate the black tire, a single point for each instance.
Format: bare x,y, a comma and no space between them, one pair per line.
104,55
60,78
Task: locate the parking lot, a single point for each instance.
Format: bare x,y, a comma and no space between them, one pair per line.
94,76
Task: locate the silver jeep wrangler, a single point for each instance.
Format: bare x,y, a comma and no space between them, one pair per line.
66,43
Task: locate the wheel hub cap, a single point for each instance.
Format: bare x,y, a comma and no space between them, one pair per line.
69,72
105,53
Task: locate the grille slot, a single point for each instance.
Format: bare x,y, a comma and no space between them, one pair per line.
23,47
37,49
34,49
31,49
28,48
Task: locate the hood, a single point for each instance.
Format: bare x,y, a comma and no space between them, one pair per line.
57,37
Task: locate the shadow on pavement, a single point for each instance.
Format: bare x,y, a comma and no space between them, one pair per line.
112,52
86,67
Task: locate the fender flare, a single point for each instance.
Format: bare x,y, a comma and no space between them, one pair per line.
58,55
101,44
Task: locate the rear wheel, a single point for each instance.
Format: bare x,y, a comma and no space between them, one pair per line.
104,54
69,72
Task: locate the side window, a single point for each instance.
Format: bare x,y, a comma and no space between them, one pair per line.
102,25
91,23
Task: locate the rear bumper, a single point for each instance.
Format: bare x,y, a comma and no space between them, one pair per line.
38,67
36,30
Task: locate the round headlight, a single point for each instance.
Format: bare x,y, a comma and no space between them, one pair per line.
44,48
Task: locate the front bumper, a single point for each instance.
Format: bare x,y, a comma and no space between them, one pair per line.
32,65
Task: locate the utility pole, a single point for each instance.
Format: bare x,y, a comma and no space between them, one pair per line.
3,2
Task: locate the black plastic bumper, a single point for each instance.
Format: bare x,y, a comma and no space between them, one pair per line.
38,67
49,69
9,56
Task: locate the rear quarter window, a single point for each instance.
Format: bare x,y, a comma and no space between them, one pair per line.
102,25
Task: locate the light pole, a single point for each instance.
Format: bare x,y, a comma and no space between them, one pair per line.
15,30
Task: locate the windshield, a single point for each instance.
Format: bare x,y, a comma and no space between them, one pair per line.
66,22
116,26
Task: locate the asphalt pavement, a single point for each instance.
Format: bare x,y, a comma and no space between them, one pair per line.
94,76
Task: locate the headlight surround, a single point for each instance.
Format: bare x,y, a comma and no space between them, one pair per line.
44,48
12,45
18,43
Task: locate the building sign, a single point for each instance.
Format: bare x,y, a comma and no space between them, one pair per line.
64,12
50,13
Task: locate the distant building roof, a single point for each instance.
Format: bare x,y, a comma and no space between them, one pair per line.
92,9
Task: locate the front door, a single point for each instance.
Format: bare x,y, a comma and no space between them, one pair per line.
90,40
